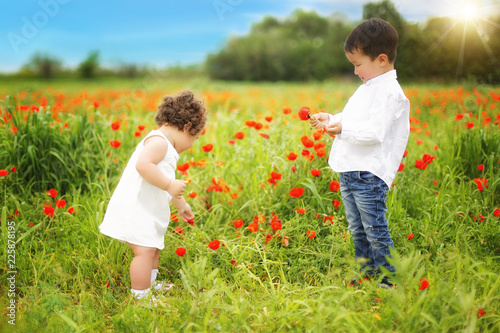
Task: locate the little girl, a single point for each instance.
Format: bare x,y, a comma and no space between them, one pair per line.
138,212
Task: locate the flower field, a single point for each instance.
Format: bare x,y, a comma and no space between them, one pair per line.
269,249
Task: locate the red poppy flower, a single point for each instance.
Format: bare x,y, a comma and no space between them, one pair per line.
254,226
178,231
481,183
334,185
49,211
60,203
291,156
307,142
52,192
420,164
321,152
315,172
275,175
480,167
71,210
496,212
300,211
13,169
137,134
250,123
239,135
264,135
115,143
141,127
269,119
336,203
115,125
190,221
258,126
96,104
233,262
238,223
424,284
268,238
405,153
276,225
470,125
232,142
304,113
4,172
183,167
311,234
294,168
192,195
296,192
286,110
401,167
410,236
180,251
174,217
208,147
480,312
214,245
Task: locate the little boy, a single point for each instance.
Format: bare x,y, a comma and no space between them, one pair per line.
371,136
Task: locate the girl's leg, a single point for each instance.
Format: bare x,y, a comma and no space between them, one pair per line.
154,271
141,266
156,259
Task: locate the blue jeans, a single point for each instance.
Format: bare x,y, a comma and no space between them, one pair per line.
364,196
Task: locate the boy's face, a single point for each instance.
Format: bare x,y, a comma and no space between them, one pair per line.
364,66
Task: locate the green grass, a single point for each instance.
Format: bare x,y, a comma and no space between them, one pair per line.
72,278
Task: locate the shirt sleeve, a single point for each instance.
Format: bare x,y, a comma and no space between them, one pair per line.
378,121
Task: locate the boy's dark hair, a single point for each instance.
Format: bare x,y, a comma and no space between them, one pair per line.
183,111
373,37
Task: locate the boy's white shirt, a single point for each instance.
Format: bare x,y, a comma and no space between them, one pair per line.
375,129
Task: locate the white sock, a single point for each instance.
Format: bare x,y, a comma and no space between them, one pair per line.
154,273
139,293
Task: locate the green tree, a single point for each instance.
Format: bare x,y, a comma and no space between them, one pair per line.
88,68
42,65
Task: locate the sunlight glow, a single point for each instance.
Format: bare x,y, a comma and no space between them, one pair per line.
468,11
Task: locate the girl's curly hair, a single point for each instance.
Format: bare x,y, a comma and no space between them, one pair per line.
183,111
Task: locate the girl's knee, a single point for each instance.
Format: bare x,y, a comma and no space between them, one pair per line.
143,251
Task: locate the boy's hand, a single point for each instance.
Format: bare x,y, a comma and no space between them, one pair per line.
334,129
319,120
176,188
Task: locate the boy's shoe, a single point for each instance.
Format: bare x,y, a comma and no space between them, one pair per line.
386,283
161,286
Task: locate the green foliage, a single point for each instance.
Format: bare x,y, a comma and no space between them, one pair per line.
307,46
51,154
42,65
88,68
70,277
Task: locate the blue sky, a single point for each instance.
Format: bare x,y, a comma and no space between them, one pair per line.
157,33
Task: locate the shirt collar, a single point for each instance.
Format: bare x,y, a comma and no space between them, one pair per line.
390,75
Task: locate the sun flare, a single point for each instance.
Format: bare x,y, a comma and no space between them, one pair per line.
468,11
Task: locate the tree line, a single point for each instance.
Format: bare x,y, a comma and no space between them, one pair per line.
307,46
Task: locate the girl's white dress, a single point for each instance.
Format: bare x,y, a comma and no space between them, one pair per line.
139,212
